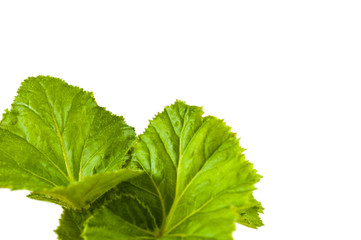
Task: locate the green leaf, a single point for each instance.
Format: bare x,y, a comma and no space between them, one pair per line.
249,215
57,142
72,221
71,225
79,194
196,179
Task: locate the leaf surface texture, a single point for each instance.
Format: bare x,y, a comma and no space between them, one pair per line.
197,183
58,143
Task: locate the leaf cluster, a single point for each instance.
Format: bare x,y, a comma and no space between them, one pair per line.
185,177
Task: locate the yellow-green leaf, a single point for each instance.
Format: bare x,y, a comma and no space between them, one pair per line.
196,179
58,143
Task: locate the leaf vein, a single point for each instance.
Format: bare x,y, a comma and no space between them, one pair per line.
166,149
61,140
31,172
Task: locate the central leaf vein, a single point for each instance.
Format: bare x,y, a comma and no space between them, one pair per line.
60,137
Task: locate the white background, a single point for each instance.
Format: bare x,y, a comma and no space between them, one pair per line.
284,74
